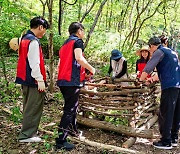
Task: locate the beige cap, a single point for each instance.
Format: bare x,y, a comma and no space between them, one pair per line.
14,44
146,48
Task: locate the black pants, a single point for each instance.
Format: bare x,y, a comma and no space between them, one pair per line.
169,114
68,120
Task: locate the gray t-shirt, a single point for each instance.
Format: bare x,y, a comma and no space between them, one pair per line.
157,56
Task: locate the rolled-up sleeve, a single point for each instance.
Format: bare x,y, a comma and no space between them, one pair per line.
157,56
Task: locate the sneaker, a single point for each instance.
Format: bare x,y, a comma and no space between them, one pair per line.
161,145
67,146
174,142
32,139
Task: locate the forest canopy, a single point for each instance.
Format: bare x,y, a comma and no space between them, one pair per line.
125,25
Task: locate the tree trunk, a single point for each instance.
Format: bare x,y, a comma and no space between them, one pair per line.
50,47
119,129
94,24
60,17
86,13
44,7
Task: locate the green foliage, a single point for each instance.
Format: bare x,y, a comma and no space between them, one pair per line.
10,93
16,116
116,121
104,70
46,143
110,32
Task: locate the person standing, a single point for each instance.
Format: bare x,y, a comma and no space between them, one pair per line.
32,76
71,75
168,68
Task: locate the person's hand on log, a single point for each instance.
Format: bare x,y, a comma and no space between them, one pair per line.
88,75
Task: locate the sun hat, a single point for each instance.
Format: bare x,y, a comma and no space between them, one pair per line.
144,48
14,42
116,54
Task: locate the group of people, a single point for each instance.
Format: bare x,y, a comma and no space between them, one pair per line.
72,72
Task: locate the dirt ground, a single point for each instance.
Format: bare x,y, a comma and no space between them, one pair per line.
10,145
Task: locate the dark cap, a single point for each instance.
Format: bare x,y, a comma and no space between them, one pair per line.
154,41
116,54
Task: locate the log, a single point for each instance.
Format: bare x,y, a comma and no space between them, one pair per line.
98,80
83,108
113,86
96,144
148,125
91,105
125,80
128,98
124,92
107,113
106,103
109,147
135,132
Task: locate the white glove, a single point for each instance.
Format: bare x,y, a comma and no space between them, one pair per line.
41,86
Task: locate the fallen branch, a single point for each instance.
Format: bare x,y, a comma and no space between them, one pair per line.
96,144
83,108
148,125
135,132
124,92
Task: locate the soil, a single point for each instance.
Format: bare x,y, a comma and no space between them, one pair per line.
50,119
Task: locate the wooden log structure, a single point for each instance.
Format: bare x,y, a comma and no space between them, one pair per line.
133,102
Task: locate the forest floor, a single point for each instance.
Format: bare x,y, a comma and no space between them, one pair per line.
50,119
10,126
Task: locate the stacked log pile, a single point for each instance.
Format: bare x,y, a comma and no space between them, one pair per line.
134,104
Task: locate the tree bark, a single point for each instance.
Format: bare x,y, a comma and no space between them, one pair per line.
124,92
50,46
148,125
119,129
60,17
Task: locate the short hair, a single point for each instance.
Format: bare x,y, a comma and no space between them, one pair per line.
37,21
154,41
74,26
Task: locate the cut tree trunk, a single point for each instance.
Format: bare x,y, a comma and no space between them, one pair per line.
135,132
148,125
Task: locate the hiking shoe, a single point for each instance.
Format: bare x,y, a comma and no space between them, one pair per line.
174,142
161,145
67,146
32,139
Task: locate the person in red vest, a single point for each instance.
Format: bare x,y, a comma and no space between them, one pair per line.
71,77
144,55
32,76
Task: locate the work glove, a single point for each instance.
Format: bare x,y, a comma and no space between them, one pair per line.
41,86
